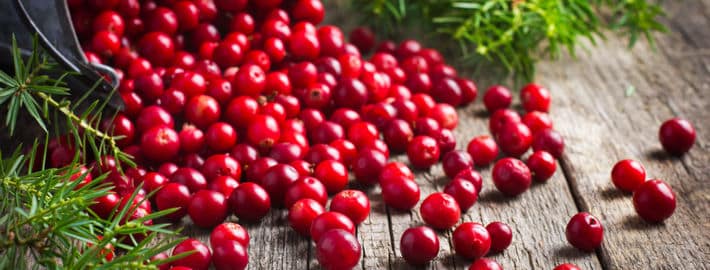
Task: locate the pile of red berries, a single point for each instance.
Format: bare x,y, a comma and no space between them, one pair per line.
237,107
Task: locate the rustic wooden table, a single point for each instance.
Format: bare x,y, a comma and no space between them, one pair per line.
601,124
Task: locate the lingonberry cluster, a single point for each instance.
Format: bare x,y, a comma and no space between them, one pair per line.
237,107
654,200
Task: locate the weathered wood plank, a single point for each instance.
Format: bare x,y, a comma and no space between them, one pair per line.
603,125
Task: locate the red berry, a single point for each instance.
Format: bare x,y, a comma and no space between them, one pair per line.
330,221
308,10
502,118
350,93
202,111
227,232
395,170
230,255
567,266
408,48
187,13
157,47
542,165
511,176
105,205
250,202
537,121
338,249
471,240
440,210
333,175
173,195
250,80
221,165
469,91
192,139
352,203
456,161
445,139
163,20
447,91
153,181
423,152
497,97
535,97
200,258
277,180
193,179
363,39
106,43
306,187
221,137
419,245
302,213
190,83
367,166
584,232
501,236
400,193
109,21
628,174
160,144
677,136
485,264
326,132
549,140
514,139
223,184
242,22
654,201
426,126
483,150
263,131
207,208
397,134
445,114
304,46
463,191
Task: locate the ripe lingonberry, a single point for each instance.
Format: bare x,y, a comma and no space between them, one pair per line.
497,97
352,203
221,165
190,177
628,174
338,249
419,245
306,187
501,236
537,121
302,213
511,176
584,232
440,210
263,131
654,201
221,137
566,266
463,191
677,136
202,111
230,255
200,258
250,202
471,240
207,208
363,39
367,166
153,116
535,97
514,139
456,161
330,221
485,264
227,232
173,195
333,175
542,165
223,184
549,140
160,144
423,152
483,150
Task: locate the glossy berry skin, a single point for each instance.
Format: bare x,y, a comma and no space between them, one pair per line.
160,144
423,152
511,176
440,211
263,131
230,255
628,174
305,187
535,97
537,121
483,150
207,208
193,179
330,221
302,213
173,195
363,39
221,137
456,161
396,170
419,245
472,176
542,165
501,236
567,266
654,201
277,180
333,175
549,140
501,118
221,165
463,191
157,47
367,166
352,203
677,136
338,250
497,97
227,232
200,259
400,193
485,264
471,240
250,202
514,139
202,110
584,232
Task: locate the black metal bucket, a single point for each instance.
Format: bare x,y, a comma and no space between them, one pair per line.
50,20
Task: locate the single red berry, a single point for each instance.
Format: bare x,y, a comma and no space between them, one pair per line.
514,139
153,116
367,166
471,240
221,137
275,48
447,91
483,150
426,126
535,97
501,236
120,126
654,201
207,208
463,191
584,232
400,193
549,140
321,152
501,118
153,181
419,245
244,154
200,259
456,161
326,132
395,170
485,264
537,121
333,175
173,101
567,266
423,152
350,93
677,136
230,255
497,97
250,80
160,144
223,184
106,43
263,131
469,91
445,114
163,20
250,202
202,110
363,38
542,165
330,221
192,178
407,48
157,47
440,210
338,249
628,174
397,134
277,180
242,22
173,195
241,110
109,21
511,176
104,206
188,14
192,139
190,83
221,165
227,232
306,187
304,46
302,213
286,152
352,203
